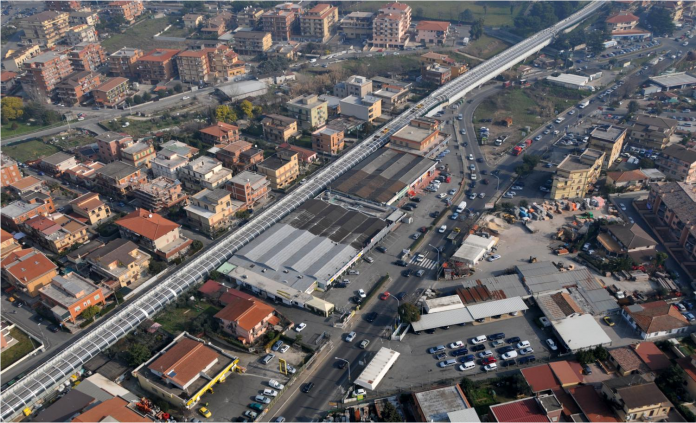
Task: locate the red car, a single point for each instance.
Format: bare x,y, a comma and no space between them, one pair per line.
385,295
488,360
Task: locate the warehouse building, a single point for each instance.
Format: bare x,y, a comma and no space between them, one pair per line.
674,81
580,333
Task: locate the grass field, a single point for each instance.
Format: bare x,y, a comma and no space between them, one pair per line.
17,351
485,47
29,150
177,31
140,36
175,321
514,103
22,129
497,13
74,141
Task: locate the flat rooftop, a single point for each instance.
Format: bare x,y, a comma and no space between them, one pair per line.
437,403
674,80
413,133
609,133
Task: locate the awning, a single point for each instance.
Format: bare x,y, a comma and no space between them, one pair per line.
320,305
377,369
609,243
442,319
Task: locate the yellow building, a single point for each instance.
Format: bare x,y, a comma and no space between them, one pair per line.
57,234
139,154
120,260
309,111
282,169
91,207
636,399
212,211
608,139
317,23
14,59
576,174
45,29
278,128
28,270
252,43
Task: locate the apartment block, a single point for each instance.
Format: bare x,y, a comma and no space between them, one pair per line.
252,43
192,20
44,72
193,66
576,175
87,56
155,233
91,208
45,29
112,92
110,145
415,137
328,141
432,32
69,295
436,74
119,178
56,233
10,172
205,172
7,244
215,26
673,213
281,169
367,108
129,10
249,188
390,26
250,17
678,163
279,23
77,87
392,96
220,133
608,139
86,17
309,111
356,85
28,270
58,163
229,154
120,261
63,6
224,62
456,68
26,185
160,193
651,132
14,59
157,65
8,80
18,212
138,154
81,34
208,64
123,62
318,23
357,25
84,172
173,156
278,128
211,211
249,158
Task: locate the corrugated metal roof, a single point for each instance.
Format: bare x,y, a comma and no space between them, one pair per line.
580,332
444,318
536,269
509,285
494,308
599,300
377,368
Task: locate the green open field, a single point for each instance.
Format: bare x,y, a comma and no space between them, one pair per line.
29,150
22,129
175,321
514,103
140,36
497,13
485,47
177,31
17,351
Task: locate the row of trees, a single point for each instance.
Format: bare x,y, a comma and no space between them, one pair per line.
229,113
15,110
543,15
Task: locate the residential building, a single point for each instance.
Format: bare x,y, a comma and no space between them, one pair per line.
247,319
576,175
204,172
68,296
138,154
44,72
317,24
416,137
456,68
220,133
154,232
83,17
224,62
28,270
8,80
45,29
289,50
250,17
629,179
252,43
306,156
678,163
115,408
541,408
281,169
63,6
111,93
179,148
129,9
81,34
9,173
119,178
211,211
436,74
628,240
26,185
193,66
278,128
328,141
655,319
357,25
636,399
192,20
249,188
84,173
57,163
672,215
91,208
124,62
309,111
214,26
77,87
230,154
622,21
157,65
651,132
173,156
14,59
608,139
390,26
160,193
209,64
688,364
110,145
356,85
367,108
432,32
184,371
56,233
392,96
120,261
18,212
8,245
280,23
249,158
87,56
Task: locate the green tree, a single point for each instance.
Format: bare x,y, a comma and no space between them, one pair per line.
409,313
225,114
660,21
147,96
137,99
601,353
138,354
390,413
156,267
90,312
178,88
215,275
477,29
12,108
418,12
660,259
633,107
467,16
196,245
247,108
646,163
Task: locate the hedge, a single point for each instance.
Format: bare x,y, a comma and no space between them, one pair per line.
376,288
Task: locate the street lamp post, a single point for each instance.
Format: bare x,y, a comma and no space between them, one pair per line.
348,364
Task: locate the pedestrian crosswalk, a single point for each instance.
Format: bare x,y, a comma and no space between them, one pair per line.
426,263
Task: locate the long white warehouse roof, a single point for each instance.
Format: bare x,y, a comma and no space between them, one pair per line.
443,318
494,308
581,332
377,369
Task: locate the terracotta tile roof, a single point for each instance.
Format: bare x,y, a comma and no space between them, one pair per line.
652,356
687,364
231,294
159,55
565,373
115,409
141,223
432,26
525,410
219,129
305,154
192,53
235,146
28,264
568,403
247,313
622,18
184,361
397,5
639,396
656,316
87,202
25,183
211,287
592,405
111,84
4,235
627,176
40,223
540,378
7,75
628,360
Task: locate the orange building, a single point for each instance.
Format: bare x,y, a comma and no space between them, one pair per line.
123,62
44,72
328,140
68,296
28,270
220,133
10,171
154,232
18,212
77,87
248,187
9,244
247,319
157,65
87,57
112,92
129,10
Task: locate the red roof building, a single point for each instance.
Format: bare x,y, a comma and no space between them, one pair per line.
652,356
247,319
114,409
545,408
592,405
305,155
183,363
657,318
220,133
157,65
540,378
154,232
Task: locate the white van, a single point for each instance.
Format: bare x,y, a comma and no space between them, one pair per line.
480,339
523,344
467,366
461,207
447,363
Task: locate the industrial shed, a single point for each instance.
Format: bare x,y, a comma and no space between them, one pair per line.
581,333
377,368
